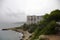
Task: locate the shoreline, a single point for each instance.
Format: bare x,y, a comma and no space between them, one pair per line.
25,36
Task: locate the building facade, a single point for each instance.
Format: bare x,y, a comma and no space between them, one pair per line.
33,19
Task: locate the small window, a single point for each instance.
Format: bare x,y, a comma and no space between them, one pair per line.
31,18
37,17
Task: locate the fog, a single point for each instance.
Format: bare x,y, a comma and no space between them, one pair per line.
12,11
17,10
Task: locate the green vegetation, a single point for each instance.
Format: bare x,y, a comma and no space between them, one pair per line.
49,29
47,25
30,28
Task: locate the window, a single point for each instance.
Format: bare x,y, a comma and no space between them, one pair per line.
37,17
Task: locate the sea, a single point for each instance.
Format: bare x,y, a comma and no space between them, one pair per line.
9,34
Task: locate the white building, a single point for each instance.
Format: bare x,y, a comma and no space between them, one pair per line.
33,19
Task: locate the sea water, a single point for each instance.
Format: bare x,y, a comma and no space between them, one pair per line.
10,25
10,35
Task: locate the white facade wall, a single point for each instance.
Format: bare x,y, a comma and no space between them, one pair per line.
33,19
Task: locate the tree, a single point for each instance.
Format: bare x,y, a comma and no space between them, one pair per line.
46,16
54,15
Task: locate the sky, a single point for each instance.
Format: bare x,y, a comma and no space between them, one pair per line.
17,10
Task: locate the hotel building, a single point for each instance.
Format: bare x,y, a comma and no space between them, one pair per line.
33,19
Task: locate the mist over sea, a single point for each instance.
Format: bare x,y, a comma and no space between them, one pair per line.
10,25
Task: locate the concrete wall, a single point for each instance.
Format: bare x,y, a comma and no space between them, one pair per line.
33,19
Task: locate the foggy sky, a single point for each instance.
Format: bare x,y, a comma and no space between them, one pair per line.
16,10
12,11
